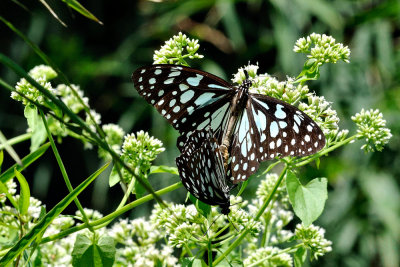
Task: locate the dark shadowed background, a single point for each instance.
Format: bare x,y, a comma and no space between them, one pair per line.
362,215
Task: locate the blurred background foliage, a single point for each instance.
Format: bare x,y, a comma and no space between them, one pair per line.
362,215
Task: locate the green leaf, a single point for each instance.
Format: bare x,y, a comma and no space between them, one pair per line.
114,176
140,191
36,230
88,253
32,157
79,8
36,125
52,12
308,201
203,208
24,194
1,159
163,168
317,162
187,262
300,257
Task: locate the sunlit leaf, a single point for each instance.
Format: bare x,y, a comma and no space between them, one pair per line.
24,193
308,201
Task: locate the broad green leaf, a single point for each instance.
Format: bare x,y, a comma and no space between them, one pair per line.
24,194
308,201
36,125
79,8
87,253
36,231
198,263
300,257
163,168
107,250
186,262
32,157
191,262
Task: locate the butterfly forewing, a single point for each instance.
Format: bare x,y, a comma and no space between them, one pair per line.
189,99
201,168
271,128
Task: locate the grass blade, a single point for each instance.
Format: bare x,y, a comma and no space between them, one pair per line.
25,241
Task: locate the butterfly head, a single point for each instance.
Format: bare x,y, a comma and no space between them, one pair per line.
243,91
225,208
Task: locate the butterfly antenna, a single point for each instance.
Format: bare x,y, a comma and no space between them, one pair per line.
209,227
237,230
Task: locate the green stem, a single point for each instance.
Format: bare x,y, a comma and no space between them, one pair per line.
112,215
188,251
209,251
9,149
123,201
257,217
127,193
64,171
17,139
325,151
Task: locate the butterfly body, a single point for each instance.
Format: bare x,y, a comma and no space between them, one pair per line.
250,128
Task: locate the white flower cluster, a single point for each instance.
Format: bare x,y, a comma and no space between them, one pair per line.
24,88
325,49
138,239
139,151
371,127
268,256
176,50
312,238
114,135
265,84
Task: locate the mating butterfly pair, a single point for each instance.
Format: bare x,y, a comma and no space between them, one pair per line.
250,128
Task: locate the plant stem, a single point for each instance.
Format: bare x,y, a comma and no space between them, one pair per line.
325,151
258,215
64,171
17,139
112,215
209,248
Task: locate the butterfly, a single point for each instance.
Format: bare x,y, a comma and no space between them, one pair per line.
202,171
249,127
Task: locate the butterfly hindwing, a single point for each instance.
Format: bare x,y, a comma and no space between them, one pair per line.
201,168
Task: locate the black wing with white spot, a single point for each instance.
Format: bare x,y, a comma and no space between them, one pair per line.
271,128
188,98
201,168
